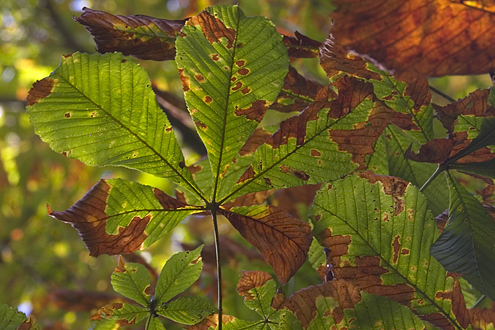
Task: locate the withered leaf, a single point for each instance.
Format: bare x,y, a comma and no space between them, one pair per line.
301,46
283,240
144,37
414,39
251,280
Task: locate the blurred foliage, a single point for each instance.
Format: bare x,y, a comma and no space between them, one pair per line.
38,255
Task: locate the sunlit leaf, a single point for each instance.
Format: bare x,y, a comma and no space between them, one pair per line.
179,273
118,315
283,240
186,310
144,37
467,244
101,109
415,39
119,217
258,289
133,281
155,324
380,231
232,68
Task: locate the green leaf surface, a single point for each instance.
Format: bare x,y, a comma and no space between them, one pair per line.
467,244
154,323
10,318
186,310
132,280
380,232
486,169
101,110
179,273
232,68
388,159
261,299
289,322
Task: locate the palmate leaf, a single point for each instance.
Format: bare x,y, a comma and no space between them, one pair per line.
340,305
133,281
467,244
186,310
144,37
101,110
326,141
258,289
232,68
113,316
380,232
118,216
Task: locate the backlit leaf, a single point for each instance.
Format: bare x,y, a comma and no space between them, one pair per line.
467,244
232,68
186,310
283,240
118,315
179,273
301,46
415,39
119,217
210,322
144,37
155,324
101,109
380,231
132,281
258,289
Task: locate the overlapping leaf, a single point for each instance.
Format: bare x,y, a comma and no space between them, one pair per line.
119,217
326,141
467,244
11,319
380,231
144,37
340,305
258,289
301,46
415,39
101,109
283,240
133,281
232,68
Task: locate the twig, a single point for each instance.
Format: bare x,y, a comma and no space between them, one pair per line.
219,268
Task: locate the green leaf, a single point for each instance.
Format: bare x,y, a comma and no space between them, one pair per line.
186,310
467,244
113,316
154,323
486,169
258,289
289,322
179,273
101,109
388,159
232,68
118,216
10,318
380,232
133,281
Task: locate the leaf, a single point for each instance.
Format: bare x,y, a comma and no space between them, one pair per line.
133,281
258,289
119,217
210,322
466,245
114,316
186,310
144,37
284,241
155,324
179,273
11,319
326,141
301,46
389,159
415,39
94,108
486,169
340,305
297,93
78,301
413,97
380,231
232,68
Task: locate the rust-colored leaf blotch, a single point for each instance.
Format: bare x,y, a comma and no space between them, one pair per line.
213,28
251,280
283,240
88,217
40,90
414,38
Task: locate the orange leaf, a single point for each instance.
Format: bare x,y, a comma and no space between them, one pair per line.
284,241
414,39
250,280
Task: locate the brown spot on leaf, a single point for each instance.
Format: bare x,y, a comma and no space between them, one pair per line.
200,124
213,28
405,251
123,60
245,90
257,138
297,173
243,71
40,90
315,153
237,86
239,45
67,115
268,182
247,175
214,57
88,217
392,186
396,247
255,112
234,78
166,201
240,63
199,77
185,80
207,99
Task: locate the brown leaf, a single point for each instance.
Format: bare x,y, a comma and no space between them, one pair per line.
79,301
210,322
297,93
434,151
414,39
303,303
284,241
476,104
482,318
213,28
144,37
251,280
301,46
40,90
291,198
254,198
